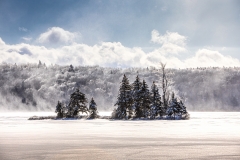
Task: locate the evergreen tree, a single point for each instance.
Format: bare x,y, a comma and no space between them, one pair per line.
77,104
70,69
59,110
145,99
156,107
173,107
124,100
183,110
39,64
137,85
93,109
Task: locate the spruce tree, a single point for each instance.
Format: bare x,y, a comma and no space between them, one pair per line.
124,100
156,107
39,64
173,107
93,109
183,110
145,99
137,85
59,110
77,104
70,69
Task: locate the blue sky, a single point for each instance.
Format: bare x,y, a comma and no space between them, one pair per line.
209,26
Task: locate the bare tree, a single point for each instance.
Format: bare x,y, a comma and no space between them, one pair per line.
166,82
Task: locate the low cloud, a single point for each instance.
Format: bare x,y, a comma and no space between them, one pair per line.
169,37
112,54
172,42
57,35
211,58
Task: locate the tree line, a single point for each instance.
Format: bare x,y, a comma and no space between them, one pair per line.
136,100
35,87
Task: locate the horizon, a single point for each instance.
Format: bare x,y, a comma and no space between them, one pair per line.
116,67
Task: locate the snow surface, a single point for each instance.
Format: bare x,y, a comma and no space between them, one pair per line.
207,135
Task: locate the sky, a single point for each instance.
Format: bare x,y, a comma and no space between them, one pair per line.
126,33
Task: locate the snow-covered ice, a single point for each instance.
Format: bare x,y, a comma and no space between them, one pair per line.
207,135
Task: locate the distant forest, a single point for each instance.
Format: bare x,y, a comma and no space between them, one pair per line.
38,87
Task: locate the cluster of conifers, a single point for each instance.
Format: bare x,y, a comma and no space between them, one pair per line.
133,101
136,101
77,104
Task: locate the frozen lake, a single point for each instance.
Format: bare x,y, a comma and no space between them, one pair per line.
207,135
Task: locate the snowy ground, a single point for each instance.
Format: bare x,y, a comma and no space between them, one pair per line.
207,135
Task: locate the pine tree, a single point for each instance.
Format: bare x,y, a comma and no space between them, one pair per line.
59,110
156,107
173,107
77,104
145,99
183,110
70,69
39,64
124,100
93,109
137,85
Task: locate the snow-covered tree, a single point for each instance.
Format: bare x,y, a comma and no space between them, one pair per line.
58,83
145,99
166,82
124,100
59,110
137,85
177,109
93,109
77,104
39,64
173,107
156,107
183,110
70,69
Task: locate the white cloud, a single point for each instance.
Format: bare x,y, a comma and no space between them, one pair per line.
169,37
171,42
211,58
111,54
105,54
22,29
1,42
57,35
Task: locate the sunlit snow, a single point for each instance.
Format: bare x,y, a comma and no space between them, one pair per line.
207,135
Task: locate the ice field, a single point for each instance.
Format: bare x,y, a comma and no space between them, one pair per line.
207,135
